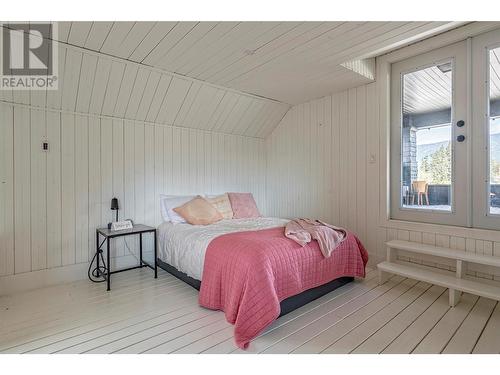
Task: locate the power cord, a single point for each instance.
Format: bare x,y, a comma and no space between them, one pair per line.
96,275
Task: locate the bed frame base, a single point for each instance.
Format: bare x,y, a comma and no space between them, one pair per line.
287,305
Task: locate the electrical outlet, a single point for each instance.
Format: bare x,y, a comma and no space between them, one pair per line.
45,146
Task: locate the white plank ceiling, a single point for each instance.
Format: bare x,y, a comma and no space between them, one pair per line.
291,62
99,84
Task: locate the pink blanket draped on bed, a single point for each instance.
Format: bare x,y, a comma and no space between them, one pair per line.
248,274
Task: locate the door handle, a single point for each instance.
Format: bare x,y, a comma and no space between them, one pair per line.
460,123
461,138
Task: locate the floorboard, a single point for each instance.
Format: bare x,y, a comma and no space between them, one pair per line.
443,331
407,340
467,335
356,336
489,341
388,333
342,326
144,315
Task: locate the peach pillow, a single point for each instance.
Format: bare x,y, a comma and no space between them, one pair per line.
222,204
198,212
243,205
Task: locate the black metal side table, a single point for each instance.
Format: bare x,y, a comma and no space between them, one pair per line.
110,234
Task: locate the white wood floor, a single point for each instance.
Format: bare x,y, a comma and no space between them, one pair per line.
143,315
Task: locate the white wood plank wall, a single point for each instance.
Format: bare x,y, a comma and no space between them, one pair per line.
51,202
317,162
323,161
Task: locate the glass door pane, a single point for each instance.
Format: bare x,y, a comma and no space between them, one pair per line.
426,138
494,132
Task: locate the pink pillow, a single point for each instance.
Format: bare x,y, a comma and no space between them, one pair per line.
243,205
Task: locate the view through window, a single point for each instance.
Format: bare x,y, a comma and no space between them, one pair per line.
494,132
426,138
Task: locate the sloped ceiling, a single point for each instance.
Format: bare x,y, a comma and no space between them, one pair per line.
99,84
291,62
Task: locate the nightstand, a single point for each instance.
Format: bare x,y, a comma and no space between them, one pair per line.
108,235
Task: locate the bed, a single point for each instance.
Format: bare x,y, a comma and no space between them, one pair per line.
183,249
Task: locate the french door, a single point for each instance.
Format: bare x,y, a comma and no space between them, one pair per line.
486,130
430,137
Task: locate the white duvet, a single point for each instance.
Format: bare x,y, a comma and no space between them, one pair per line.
184,245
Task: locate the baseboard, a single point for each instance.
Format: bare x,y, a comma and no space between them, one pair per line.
38,279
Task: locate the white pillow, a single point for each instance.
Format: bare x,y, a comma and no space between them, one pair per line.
169,202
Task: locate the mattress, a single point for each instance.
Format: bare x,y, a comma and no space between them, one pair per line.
183,246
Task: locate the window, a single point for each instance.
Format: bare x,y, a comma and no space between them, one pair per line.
494,132
433,156
426,138
428,145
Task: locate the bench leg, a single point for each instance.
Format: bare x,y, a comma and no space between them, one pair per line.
455,294
454,297
383,277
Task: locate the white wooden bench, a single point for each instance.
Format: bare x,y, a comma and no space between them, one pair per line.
456,284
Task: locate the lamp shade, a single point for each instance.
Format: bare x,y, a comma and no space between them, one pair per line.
114,204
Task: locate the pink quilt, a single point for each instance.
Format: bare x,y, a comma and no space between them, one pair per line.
248,274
